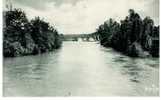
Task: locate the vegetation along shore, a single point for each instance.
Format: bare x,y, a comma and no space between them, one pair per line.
23,37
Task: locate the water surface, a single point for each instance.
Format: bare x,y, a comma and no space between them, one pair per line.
81,69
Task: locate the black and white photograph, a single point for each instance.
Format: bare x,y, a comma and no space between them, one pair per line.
80,48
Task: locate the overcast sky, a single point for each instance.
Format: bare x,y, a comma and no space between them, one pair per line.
84,16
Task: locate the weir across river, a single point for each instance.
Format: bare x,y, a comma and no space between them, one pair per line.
82,37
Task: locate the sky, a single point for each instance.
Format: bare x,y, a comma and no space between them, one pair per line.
84,16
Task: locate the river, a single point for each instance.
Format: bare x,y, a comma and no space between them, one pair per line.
81,69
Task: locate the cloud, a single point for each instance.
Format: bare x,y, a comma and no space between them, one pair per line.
39,4
84,16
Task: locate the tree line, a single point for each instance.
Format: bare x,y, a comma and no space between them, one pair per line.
133,36
24,37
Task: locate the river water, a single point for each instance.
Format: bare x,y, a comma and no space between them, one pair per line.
81,69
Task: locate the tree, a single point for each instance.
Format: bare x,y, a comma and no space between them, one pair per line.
106,31
146,31
131,35
23,37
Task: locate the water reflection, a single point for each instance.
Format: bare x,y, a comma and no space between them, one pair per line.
133,70
120,59
80,69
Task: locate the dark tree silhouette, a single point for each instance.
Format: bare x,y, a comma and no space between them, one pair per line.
24,37
132,36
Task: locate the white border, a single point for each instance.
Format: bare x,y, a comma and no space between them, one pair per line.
1,64
61,98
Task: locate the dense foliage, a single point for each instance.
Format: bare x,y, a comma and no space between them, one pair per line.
24,37
132,36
